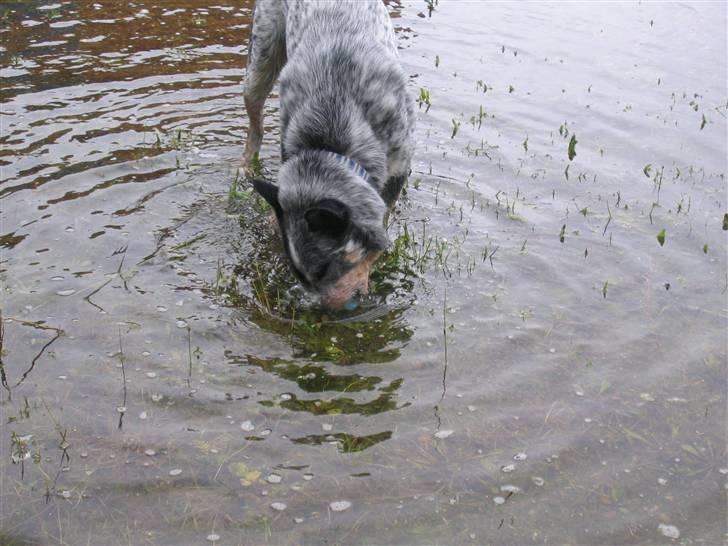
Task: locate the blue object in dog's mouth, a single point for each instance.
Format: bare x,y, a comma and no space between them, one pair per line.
351,305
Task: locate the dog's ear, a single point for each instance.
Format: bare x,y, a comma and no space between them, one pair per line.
269,192
329,217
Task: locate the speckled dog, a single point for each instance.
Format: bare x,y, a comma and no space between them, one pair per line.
346,134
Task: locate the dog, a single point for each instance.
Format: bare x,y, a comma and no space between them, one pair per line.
347,123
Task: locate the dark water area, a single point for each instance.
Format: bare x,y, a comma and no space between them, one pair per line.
544,357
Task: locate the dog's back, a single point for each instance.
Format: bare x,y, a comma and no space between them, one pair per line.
367,19
343,89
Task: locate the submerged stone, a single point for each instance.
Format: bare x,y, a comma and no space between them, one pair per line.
670,531
273,478
247,426
340,506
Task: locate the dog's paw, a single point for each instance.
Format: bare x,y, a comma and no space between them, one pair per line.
251,164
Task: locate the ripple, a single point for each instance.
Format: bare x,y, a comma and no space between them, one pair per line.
49,44
64,24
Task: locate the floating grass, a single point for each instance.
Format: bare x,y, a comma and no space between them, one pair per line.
122,408
431,4
572,147
455,127
444,338
3,376
661,237
609,217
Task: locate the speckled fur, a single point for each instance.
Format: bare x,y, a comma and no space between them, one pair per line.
342,90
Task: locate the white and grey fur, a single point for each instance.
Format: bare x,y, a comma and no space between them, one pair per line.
342,96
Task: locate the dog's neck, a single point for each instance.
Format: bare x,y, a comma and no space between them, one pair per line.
344,133
348,162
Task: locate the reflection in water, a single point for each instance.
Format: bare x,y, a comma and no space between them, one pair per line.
6,374
309,377
346,443
317,379
114,42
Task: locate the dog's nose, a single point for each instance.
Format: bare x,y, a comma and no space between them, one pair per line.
353,302
350,301
353,285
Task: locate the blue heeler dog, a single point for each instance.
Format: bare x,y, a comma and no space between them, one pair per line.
346,134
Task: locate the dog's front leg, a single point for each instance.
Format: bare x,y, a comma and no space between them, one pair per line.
266,57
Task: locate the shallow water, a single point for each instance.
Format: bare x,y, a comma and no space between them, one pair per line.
540,363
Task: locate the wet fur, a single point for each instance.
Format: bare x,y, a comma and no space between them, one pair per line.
342,90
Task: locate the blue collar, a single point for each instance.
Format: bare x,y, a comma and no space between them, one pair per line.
350,163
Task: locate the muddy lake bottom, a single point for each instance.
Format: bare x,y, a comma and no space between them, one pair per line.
543,359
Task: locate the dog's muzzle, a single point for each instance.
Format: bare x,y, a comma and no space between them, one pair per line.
353,284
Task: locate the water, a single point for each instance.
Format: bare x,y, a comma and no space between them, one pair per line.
535,366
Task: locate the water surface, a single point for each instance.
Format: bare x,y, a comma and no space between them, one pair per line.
544,360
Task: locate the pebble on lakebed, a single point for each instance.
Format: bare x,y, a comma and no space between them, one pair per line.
340,506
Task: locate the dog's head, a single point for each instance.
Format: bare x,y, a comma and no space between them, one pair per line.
331,222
